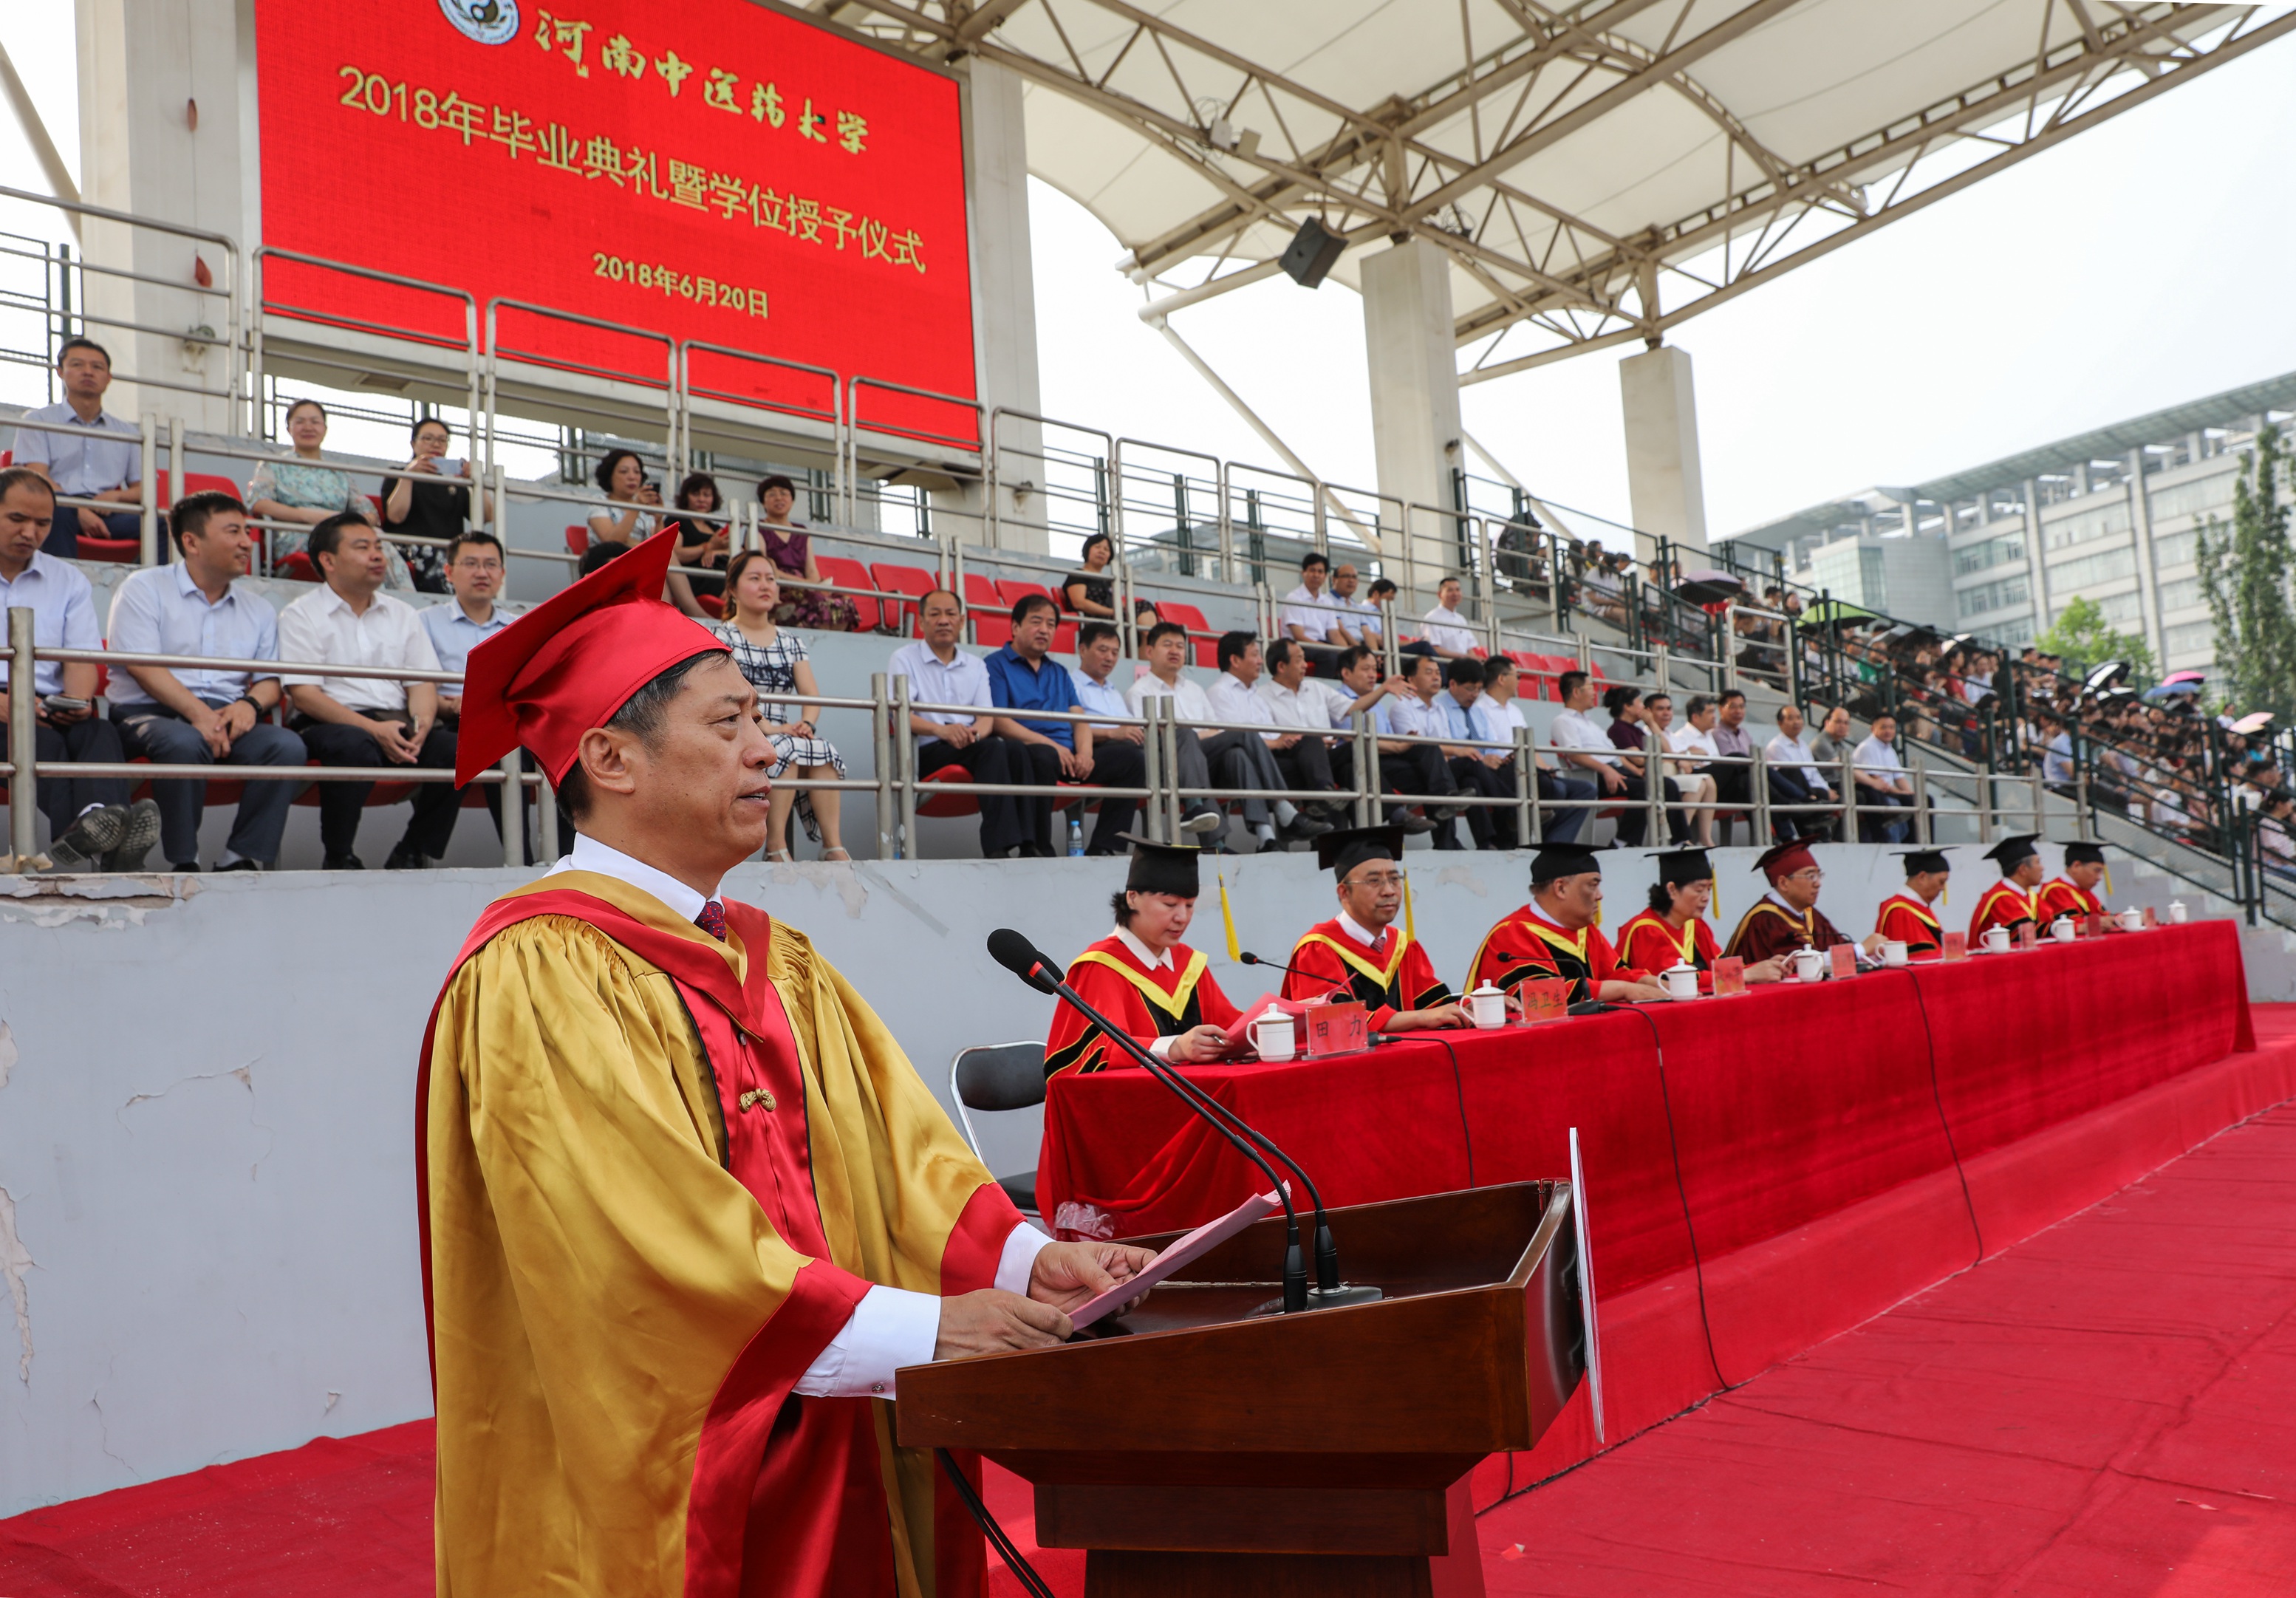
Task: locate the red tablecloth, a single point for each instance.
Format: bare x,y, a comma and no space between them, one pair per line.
1795,1161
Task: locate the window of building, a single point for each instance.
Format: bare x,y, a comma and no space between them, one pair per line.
2185,591
2206,494
2089,570
2193,638
1989,553
1997,595
2177,549
2100,523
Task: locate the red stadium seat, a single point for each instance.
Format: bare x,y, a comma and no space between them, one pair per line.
127,551
1063,634
851,574
1192,619
992,626
298,568
578,540
195,482
914,581
712,603
948,804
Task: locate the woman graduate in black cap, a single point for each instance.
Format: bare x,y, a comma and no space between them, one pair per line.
1673,930
1143,977
1911,917
2011,902
1361,949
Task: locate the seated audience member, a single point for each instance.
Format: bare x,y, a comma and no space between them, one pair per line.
1832,745
1311,618
1022,676
2074,893
1309,707
626,518
366,721
1557,934
1356,621
701,543
1406,764
1588,747
2013,900
2276,833
1361,951
1787,917
1446,634
939,673
475,571
1300,701
430,499
1231,700
1911,917
85,452
1091,592
1499,715
1883,784
1693,777
1190,1015
1098,649
1627,734
1144,616
806,602
91,825
1226,757
1486,773
1793,774
1378,599
773,662
203,716
1673,930
301,489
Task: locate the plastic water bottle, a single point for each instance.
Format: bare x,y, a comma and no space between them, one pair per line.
1076,838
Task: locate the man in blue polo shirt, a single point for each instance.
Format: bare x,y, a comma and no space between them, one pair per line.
1021,677
85,452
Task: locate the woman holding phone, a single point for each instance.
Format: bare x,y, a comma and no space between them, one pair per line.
427,501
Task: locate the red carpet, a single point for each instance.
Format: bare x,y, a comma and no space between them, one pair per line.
2106,1408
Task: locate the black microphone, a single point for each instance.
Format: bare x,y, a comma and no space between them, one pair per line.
1249,958
1018,955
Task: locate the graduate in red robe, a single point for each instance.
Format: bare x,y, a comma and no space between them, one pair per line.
1555,935
2012,901
1361,950
1143,977
1786,918
2074,893
684,1206
1673,930
1911,917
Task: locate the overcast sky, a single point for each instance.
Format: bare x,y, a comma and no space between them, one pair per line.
2141,263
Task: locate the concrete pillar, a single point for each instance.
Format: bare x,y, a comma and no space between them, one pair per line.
2036,559
144,65
1663,480
2149,626
1414,398
1003,310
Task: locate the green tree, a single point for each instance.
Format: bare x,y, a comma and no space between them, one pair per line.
2082,636
2244,570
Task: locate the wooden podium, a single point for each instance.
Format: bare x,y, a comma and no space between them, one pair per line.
1210,1446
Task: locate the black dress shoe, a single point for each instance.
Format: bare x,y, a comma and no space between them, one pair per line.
342,863
184,868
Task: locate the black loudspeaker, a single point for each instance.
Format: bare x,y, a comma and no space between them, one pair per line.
1315,250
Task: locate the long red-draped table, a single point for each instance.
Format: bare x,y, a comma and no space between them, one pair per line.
1762,1171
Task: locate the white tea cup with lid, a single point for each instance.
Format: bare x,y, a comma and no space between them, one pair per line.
1272,1037
1487,1007
1681,981
1809,965
2061,928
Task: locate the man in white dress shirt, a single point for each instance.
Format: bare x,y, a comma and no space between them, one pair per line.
90,822
1795,779
1316,708
1447,634
1359,620
366,721
1883,784
1588,747
1233,700
939,673
1694,738
1310,616
1228,759
1419,768
200,717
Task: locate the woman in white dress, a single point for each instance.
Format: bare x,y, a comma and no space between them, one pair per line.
776,665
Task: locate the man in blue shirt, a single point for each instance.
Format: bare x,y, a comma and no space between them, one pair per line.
201,717
90,822
84,451
1022,677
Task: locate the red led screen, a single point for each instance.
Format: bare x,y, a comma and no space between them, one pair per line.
708,169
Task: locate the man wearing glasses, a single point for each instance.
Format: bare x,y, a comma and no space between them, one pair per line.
474,576
1787,918
1361,951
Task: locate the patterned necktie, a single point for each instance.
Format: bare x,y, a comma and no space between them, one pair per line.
712,920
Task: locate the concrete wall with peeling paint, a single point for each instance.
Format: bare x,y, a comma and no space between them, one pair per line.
207,1221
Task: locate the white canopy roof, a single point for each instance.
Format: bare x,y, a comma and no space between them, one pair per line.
1597,172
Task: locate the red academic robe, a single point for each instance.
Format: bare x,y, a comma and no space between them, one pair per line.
1147,1004
1905,919
1527,947
2062,896
1771,929
1648,943
2005,905
1396,975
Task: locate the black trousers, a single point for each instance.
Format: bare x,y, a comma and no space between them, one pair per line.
1633,821
1491,826
93,741
1419,768
1733,786
986,760
435,804
1040,764
1307,763
1116,763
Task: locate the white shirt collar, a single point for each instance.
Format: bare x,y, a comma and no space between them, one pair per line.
1356,930
590,854
1142,953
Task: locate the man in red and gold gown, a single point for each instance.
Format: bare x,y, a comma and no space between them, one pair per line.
1787,917
684,1206
1911,917
2074,893
1143,977
1555,935
1361,950
1673,930
2011,902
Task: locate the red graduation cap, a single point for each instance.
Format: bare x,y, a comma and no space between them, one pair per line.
1785,859
570,663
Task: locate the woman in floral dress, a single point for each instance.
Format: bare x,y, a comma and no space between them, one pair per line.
774,663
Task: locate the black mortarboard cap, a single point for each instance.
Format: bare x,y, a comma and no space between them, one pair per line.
1681,867
1555,860
1162,868
2084,853
1341,852
2014,851
1918,861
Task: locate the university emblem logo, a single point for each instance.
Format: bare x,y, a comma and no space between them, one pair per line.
488,22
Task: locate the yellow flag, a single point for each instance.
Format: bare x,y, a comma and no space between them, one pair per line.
1410,923
1227,919
2108,882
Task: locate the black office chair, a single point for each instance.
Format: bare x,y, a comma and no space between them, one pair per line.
995,1077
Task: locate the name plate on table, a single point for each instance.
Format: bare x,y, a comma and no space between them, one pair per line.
1843,957
1957,946
2028,934
1544,999
2096,924
2151,918
1336,1029
1729,975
